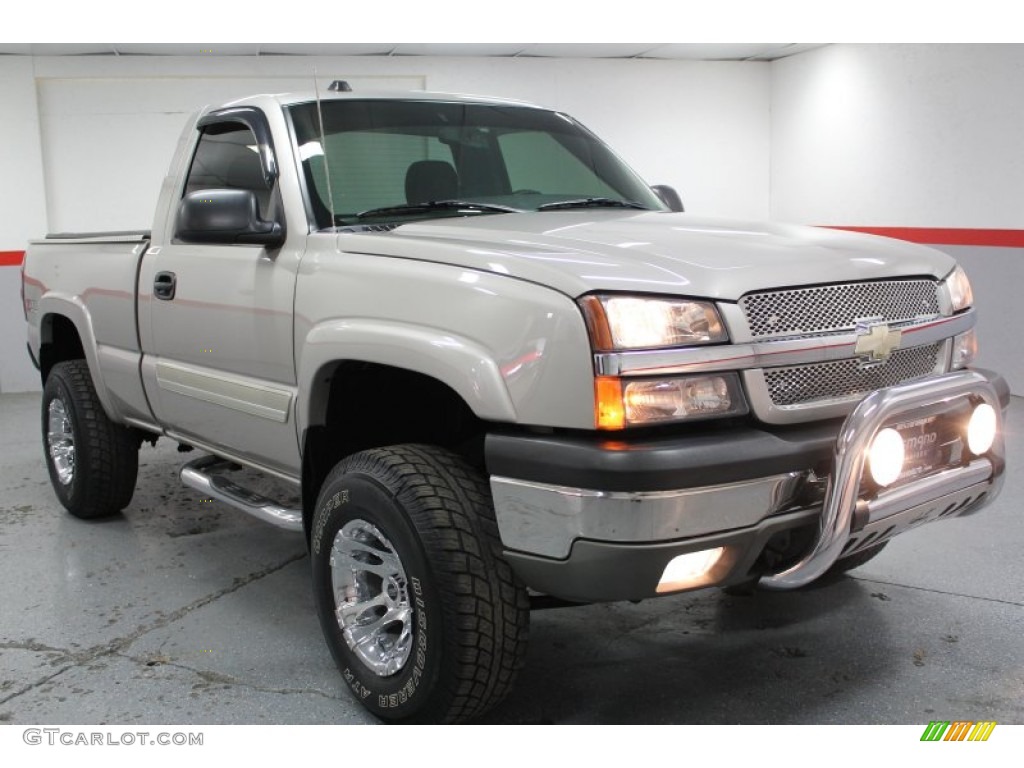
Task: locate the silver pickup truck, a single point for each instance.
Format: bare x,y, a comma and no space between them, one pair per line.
502,370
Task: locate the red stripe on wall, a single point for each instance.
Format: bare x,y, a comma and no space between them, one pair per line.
11,258
996,238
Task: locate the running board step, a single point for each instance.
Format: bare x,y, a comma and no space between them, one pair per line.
200,474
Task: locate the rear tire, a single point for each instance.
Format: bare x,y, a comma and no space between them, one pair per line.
426,621
93,462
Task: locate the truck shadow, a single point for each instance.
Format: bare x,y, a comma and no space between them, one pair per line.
708,658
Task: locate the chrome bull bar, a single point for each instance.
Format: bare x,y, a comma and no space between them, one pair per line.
843,490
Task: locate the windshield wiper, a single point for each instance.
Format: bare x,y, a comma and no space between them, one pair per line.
592,202
436,205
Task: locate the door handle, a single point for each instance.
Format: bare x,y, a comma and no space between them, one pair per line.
164,285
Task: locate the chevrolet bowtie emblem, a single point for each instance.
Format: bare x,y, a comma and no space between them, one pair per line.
876,341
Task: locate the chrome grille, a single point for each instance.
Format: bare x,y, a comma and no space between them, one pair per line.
833,308
841,379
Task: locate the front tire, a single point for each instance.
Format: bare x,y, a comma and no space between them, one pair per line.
425,619
93,462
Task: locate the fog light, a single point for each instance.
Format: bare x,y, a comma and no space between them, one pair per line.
687,570
885,457
981,430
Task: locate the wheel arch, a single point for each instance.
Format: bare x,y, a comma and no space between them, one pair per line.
354,405
66,333
463,365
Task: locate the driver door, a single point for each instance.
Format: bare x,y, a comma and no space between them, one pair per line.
219,369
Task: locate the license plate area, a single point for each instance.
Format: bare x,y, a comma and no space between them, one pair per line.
931,443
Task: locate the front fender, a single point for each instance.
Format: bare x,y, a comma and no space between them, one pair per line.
460,363
514,351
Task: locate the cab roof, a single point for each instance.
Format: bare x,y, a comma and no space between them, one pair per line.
266,100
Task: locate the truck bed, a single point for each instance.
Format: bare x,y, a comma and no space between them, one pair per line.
90,279
118,236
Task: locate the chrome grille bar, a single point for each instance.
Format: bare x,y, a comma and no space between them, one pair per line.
836,308
765,354
848,378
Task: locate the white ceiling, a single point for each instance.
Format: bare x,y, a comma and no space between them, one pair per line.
691,51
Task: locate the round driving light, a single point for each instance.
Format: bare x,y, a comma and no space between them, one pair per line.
885,457
981,430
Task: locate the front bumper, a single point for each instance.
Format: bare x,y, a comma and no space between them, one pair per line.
629,508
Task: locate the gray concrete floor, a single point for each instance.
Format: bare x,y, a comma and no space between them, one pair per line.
181,611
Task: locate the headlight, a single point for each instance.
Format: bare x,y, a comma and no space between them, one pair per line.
639,402
959,288
633,322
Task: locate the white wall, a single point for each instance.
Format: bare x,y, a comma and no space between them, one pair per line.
22,211
86,140
899,135
109,125
926,136
107,142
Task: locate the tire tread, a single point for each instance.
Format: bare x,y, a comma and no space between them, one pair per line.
483,604
106,454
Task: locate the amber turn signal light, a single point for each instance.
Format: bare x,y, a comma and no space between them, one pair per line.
609,412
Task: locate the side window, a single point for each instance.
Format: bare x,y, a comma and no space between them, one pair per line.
537,161
227,157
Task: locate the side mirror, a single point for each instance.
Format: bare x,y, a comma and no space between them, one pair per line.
669,197
225,216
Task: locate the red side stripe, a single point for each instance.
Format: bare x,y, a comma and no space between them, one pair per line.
11,258
996,238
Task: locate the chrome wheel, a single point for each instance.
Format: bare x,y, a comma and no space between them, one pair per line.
371,597
60,441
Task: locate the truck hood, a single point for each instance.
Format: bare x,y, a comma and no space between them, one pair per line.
576,252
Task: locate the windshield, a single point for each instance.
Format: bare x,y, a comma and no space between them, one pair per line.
383,162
